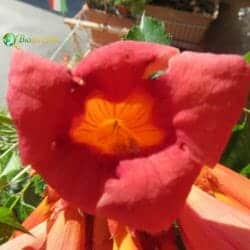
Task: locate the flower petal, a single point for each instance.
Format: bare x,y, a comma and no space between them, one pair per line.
210,224
208,93
150,191
124,239
42,104
67,232
233,184
118,68
225,185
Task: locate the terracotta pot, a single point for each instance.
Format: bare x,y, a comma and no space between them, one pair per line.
186,28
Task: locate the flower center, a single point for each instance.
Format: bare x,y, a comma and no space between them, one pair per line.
117,128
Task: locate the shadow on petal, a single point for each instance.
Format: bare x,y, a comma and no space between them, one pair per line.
102,239
167,241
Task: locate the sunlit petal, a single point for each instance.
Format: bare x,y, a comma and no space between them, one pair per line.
67,231
207,223
233,184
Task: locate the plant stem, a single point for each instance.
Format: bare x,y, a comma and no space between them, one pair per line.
20,194
22,172
96,26
8,150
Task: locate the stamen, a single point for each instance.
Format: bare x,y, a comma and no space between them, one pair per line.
117,127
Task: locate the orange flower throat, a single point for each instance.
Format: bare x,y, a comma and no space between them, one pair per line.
113,128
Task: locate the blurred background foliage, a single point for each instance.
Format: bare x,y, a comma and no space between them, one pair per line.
21,189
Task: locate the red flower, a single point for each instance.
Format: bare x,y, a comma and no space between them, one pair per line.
117,143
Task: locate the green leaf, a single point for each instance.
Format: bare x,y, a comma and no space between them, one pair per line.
12,167
3,180
4,196
247,57
10,201
236,155
239,127
23,209
4,159
5,232
8,136
34,193
246,171
7,218
135,7
38,183
149,30
136,34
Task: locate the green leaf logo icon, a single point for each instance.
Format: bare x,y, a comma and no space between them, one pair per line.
9,39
